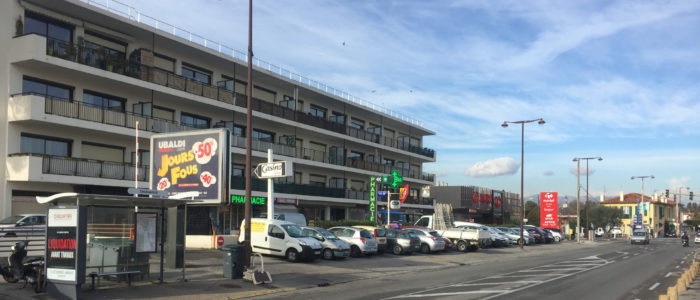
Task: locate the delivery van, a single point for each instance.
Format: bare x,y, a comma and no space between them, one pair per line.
281,238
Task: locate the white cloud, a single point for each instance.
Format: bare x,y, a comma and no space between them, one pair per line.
573,170
493,167
548,173
675,183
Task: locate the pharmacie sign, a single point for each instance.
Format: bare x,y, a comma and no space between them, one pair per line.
191,161
61,244
549,210
237,199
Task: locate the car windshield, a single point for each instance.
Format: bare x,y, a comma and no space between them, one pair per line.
639,233
435,234
327,234
294,231
11,220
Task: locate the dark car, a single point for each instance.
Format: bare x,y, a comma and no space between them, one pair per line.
402,242
539,237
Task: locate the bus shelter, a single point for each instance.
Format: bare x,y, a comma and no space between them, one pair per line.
101,235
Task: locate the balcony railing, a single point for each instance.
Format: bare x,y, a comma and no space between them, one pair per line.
71,166
260,185
96,58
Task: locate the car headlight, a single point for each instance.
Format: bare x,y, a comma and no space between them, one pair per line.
303,243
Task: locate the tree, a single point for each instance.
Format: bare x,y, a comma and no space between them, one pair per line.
604,215
532,213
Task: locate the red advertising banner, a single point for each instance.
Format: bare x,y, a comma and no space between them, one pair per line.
549,210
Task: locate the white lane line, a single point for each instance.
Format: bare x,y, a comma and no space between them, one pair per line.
678,267
654,286
497,283
625,257
667,274
682,262
454,293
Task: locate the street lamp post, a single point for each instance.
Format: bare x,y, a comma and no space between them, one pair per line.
642,198
578,189
539,121
678,211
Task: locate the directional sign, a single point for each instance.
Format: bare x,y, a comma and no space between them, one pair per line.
135,191
274,169
395,204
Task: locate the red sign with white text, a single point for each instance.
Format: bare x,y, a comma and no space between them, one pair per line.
549,210
403,193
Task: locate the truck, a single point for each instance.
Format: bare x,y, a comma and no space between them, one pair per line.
465,238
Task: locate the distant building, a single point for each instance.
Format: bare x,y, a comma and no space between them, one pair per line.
482,205
656,214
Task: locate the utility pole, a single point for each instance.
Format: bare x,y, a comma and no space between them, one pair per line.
248,139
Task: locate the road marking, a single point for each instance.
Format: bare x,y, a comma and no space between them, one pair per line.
454,293
678,267
497,283
682,262
654,286
668,274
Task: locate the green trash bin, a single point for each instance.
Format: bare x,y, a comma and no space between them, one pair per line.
233,261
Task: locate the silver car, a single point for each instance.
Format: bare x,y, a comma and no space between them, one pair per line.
333,247
361,241
23,225
430,240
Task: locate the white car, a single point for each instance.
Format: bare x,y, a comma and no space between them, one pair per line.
23,225
599,232
697,237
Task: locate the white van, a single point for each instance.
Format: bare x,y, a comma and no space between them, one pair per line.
281,238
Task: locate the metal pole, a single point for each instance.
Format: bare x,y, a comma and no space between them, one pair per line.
248,138
578,200
588,214
643,206
522,167
270,191
136,165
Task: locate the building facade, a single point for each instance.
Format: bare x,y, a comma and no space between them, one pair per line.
657,212
78,76
478,204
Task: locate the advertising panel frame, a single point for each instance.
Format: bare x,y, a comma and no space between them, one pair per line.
549,210
187,152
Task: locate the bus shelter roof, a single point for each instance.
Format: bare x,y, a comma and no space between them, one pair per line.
111,200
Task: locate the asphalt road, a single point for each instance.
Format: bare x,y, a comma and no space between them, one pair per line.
610,270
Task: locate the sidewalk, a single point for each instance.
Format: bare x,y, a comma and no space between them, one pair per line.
205,280
693,290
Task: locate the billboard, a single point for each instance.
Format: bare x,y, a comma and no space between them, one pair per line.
549,210
191,161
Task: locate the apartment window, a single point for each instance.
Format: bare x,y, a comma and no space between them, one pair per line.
356,155
288,102
103,101
144,158
163,113
357,123
264,136
196,74
317,111
194,120
317,180
337,183
337,117
374,128
30,143
401,165
264,94
102,152
357,185
238,170
164,63
238,130
45,26
45,88
387,161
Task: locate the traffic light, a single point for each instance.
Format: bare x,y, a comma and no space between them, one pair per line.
691,196
666,193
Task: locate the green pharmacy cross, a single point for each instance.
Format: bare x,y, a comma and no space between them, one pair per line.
394,179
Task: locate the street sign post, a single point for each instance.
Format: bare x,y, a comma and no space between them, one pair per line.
272,169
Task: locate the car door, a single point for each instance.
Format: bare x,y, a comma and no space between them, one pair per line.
276,239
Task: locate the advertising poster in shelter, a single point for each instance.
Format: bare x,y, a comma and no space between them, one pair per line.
61,244
191,161
549,210
146,229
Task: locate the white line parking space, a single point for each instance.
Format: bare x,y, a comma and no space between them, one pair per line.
512,282
654,286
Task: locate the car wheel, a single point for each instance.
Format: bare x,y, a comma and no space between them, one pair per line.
462,246
557,239
397,250
327,254
355,251
424,248
292,255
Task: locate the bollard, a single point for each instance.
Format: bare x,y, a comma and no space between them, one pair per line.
672,293
663,297
680,285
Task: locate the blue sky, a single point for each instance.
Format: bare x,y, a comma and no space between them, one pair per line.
616,79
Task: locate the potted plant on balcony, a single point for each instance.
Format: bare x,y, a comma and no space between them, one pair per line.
19,26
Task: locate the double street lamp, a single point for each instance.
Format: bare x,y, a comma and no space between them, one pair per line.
578,194
678,212
522,166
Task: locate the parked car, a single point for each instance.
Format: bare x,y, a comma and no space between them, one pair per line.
361,241
498,238
697,237
556,234
379,233
515,238
529,239
615,232
23,225
599,232
547,237
282,238
430,240
539,238
333,247
402,242
640,236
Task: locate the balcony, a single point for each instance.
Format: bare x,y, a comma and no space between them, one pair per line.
238,183
25,167
95,58
26,106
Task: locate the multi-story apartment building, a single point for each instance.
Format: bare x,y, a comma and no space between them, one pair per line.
77,76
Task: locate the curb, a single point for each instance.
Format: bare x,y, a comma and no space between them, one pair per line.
261,293
682,283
